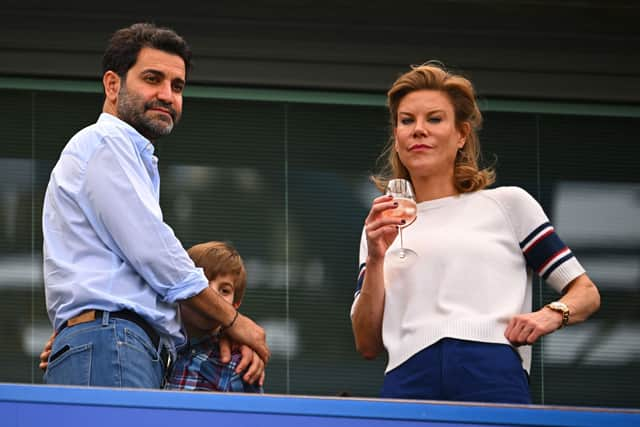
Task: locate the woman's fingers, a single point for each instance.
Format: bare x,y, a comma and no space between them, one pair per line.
375,219
381,229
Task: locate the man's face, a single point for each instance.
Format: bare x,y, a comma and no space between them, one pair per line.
150,98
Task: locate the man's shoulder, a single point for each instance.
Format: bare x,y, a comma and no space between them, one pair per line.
93,132
83,142
86,131
106,130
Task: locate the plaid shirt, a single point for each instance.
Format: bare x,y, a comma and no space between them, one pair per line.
198,367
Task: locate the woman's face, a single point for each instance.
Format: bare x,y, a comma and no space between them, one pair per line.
426,137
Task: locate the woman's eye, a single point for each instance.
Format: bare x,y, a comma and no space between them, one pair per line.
406,121
435,119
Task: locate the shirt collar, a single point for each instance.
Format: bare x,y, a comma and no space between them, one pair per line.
142,144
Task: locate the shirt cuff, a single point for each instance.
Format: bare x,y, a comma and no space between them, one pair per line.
565,273
192,285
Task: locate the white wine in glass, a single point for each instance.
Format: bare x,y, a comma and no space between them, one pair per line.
402,193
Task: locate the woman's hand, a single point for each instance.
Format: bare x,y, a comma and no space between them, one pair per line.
381,230
525,329
46,352
582,298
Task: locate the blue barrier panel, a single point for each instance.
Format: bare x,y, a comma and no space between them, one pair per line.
40,405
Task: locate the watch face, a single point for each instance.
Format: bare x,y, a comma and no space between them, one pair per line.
556,305
562,308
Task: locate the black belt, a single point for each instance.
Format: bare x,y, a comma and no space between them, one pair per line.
91,315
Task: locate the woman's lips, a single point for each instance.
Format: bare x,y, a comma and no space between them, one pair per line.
420,147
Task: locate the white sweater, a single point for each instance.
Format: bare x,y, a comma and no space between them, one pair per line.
476,254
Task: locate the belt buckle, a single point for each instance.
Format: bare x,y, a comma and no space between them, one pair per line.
165,356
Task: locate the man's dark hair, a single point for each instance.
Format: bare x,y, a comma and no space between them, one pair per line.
125,45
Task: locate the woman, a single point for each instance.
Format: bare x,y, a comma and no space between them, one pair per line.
457,323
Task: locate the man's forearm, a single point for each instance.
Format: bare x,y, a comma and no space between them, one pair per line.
212,306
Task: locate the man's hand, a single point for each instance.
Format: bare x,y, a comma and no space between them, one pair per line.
46,352
246,331
241,330
525,329
250,361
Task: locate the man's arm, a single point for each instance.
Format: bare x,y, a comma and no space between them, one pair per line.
238,327
126,215
129,220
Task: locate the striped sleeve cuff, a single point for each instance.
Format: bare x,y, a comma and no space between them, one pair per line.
549,257
361,272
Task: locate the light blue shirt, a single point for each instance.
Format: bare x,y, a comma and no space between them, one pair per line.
106,245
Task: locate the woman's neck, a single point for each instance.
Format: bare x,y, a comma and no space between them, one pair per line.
433,187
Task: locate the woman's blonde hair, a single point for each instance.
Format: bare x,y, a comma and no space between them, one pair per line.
467,174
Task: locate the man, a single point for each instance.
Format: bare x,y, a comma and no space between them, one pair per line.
113,270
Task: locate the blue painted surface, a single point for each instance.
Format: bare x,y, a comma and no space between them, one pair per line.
36,405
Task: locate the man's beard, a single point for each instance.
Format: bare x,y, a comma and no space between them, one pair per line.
131,108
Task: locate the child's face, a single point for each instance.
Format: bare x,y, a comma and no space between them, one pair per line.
225,286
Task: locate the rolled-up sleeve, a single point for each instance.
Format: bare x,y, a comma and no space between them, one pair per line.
126,215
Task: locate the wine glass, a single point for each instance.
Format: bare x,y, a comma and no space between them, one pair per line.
402,193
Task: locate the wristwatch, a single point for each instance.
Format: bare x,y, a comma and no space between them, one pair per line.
560,307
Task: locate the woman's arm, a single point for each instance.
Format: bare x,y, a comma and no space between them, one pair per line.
580,295
582,298
366,319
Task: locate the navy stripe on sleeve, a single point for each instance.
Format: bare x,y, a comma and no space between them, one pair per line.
556,264
544,251
360,278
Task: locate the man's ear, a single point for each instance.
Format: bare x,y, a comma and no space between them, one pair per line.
111,82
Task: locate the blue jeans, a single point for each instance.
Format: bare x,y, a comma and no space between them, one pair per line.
460,370
107,352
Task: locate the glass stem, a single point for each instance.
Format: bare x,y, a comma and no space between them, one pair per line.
401,242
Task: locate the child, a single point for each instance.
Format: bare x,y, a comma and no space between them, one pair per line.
198,366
